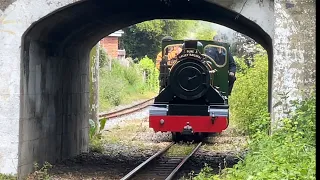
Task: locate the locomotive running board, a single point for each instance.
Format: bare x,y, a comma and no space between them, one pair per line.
158,109
211,110
215,111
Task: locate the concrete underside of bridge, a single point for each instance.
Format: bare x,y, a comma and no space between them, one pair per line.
54,71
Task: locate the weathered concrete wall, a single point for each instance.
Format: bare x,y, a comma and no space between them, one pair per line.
15,17
261,12
294,54
54,107
94,85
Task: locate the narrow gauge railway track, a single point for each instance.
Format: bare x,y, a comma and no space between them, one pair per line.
160,167
128,110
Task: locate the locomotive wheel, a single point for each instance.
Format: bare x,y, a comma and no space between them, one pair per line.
189,79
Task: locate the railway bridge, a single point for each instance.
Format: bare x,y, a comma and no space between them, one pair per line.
44,66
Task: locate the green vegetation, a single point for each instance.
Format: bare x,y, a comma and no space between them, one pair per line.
121,85
41,173
126,84
249,100
96,143
289,153
181,149
145,38
130,130
151,72
7,177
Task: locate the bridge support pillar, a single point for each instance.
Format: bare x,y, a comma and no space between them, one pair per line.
294,55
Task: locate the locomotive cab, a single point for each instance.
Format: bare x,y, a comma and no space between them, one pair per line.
193,97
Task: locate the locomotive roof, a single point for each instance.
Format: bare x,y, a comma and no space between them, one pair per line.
204,43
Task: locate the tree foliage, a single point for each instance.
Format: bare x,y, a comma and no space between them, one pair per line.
152,73
144,38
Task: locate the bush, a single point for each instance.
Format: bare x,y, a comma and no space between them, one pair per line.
7,177
242,67
249,100
133,75
96,144
303,122
288,154
111,88
41,173
205,173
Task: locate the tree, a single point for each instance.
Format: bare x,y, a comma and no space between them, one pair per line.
145,38
139,43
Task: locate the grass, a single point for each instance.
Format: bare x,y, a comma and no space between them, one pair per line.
181,149
133,133
220,144
127,99
228,140
125,133
146,95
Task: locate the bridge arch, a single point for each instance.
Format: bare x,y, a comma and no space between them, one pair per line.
54,100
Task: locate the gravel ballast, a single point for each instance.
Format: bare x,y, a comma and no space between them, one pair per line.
128,141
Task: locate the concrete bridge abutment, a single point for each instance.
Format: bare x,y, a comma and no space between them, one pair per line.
54,107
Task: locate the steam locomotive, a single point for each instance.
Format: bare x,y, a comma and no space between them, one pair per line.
193,97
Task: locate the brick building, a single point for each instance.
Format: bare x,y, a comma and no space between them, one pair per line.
111,45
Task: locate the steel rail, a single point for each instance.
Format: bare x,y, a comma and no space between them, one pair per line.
135,170
173,173
128,109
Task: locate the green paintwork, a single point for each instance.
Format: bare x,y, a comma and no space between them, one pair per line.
220,78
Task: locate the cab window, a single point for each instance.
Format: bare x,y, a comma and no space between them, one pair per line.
217,54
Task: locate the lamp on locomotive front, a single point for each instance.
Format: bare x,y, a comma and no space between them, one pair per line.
193,44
